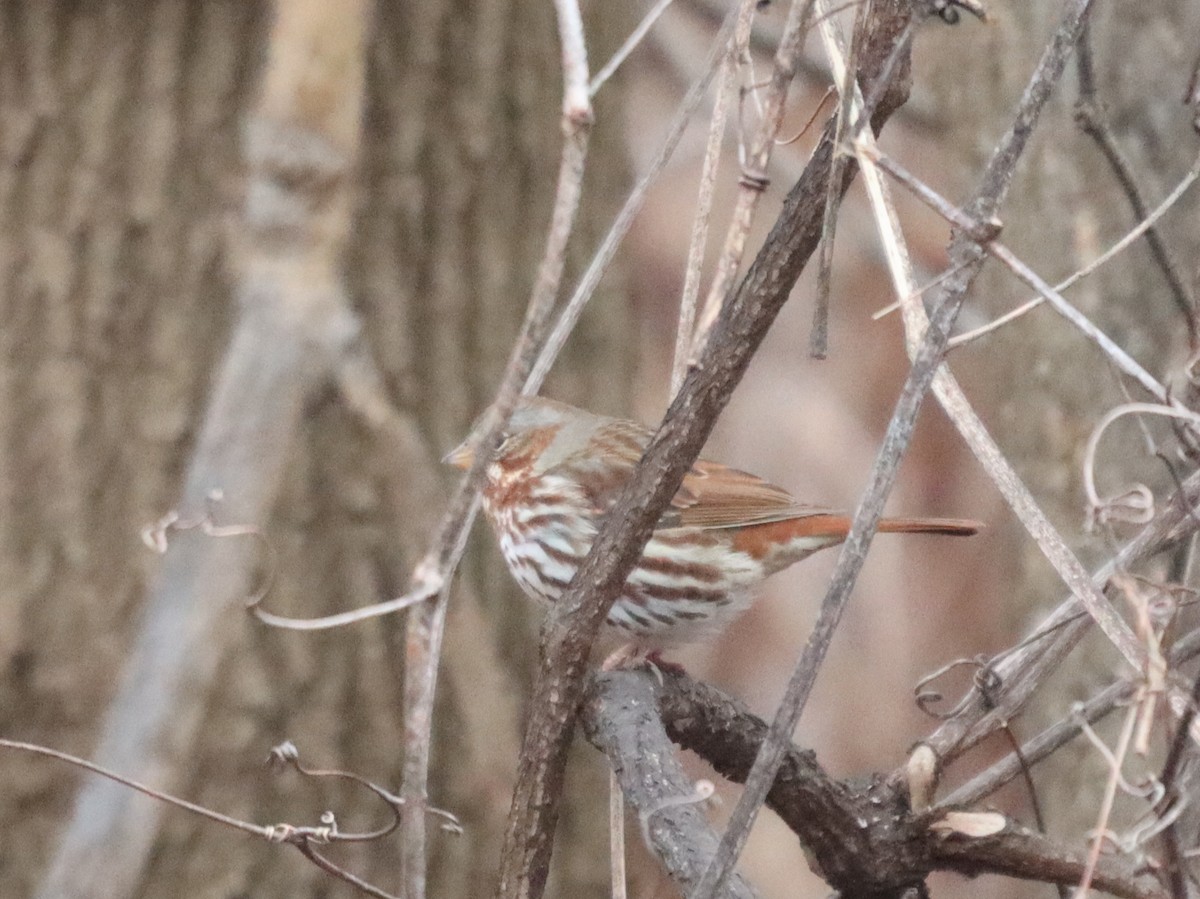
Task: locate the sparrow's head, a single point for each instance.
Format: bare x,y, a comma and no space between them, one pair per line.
533,426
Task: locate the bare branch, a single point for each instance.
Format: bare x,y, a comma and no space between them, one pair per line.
1107,799
621,720
1174,794
960,219
264,831
860,835
1017,852
818,809
636,37
1058,735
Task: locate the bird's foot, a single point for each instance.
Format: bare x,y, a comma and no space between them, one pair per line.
633,656
624,657
662,666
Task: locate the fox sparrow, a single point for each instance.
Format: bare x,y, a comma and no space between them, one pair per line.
557,474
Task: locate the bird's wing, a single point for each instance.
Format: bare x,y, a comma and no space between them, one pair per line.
717,496
711,496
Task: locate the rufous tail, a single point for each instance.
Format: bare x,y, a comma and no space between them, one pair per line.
955,527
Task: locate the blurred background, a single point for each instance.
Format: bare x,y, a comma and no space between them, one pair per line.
133,135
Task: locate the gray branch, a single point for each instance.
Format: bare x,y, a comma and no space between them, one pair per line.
860,835
620,717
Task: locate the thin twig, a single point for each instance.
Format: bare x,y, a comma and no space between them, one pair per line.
616,836
708,179
635,37
1170,775
1035,804
261,830
1106,802
1091,118
1057,735
754,178
916,294
852,103
1116,354
844,72
577,97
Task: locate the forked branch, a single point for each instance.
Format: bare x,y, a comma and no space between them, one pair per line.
895,850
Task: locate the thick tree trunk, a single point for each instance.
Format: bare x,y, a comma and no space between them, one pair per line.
122,168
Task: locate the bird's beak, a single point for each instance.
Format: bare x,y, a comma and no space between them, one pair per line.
461,456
